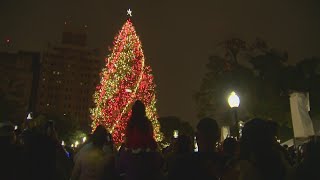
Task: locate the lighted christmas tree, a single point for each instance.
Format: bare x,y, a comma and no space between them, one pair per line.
125,79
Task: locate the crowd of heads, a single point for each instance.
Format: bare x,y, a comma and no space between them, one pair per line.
37,153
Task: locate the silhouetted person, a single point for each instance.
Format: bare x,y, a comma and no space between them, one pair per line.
40,152
231,151
231,147
94,163
182,146
109,145
309,167
260,157
10,154
139,157
207,163
139,131
274,130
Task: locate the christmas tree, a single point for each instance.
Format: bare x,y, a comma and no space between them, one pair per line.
125,79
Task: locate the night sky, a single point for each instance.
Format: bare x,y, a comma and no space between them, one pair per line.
177,36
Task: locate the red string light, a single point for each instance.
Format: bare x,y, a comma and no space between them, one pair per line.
124,80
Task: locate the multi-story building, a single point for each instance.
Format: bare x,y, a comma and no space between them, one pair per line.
19,72
69,75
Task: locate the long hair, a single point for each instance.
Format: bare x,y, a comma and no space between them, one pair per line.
139,131
138,117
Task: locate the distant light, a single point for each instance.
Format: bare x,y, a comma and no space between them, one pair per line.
7,40
29,117
175,133
64,114
15,127
84,139
196,149
241,123
233,100
72,145
76,143
48,104
62,143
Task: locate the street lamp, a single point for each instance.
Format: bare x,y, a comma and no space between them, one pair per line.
234,102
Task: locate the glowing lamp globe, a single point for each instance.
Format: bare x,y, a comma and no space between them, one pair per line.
76,144
233,100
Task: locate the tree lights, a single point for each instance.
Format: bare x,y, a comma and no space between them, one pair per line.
125,79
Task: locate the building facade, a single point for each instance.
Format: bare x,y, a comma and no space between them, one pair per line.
69,74
19,73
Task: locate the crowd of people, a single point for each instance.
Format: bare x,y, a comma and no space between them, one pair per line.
38,154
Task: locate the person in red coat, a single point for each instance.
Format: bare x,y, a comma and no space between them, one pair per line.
139,157
139,132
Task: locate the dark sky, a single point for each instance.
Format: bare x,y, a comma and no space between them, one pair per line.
177,36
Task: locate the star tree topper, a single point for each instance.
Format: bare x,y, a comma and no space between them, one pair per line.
129,12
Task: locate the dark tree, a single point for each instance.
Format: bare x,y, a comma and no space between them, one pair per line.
262,79
66,127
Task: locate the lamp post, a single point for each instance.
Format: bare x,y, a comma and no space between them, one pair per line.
234,102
